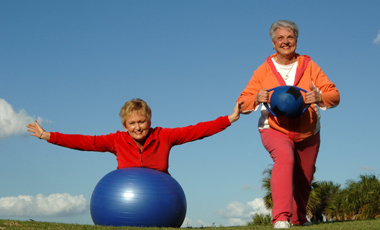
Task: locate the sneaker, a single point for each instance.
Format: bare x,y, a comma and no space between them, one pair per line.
308,223
281,224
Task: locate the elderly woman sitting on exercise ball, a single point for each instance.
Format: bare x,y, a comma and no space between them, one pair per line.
140,145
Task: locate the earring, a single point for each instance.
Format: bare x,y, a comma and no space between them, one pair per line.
273,48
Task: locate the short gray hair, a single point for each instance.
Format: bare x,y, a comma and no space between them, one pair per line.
283,24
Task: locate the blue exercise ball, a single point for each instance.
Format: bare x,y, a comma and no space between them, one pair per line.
139,197
286,101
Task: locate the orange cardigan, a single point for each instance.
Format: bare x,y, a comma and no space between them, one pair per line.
308,72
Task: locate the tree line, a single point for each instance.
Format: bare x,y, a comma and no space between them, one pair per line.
358,200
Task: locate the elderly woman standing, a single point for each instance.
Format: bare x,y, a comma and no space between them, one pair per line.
293,144
140,145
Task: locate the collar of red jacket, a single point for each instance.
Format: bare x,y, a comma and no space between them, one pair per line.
152,136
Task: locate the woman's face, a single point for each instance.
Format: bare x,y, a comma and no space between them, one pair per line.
137,125
285,42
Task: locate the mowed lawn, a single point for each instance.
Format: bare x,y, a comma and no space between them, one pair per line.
344,225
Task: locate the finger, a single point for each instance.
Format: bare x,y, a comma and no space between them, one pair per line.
236,108
31,125
311,86
240,106
30,130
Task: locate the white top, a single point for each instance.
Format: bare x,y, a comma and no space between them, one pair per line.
289,70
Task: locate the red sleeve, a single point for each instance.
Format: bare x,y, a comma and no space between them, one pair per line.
103,143
177,136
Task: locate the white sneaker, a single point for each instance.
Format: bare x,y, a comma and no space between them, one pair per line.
281,224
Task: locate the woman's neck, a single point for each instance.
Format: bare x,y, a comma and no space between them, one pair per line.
139,143
285,60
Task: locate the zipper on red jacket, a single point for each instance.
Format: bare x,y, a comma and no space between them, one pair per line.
141,152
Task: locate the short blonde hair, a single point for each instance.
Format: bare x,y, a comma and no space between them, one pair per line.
135,105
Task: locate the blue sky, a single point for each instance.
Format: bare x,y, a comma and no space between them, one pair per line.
73,64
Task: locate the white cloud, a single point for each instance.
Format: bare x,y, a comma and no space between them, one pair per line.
367,168
248,187
13,123
239,214
237,222
377,39
201,223
54,205
187,223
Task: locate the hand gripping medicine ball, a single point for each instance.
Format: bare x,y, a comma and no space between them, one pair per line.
286,102
139,197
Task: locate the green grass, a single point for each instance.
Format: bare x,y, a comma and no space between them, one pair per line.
344,225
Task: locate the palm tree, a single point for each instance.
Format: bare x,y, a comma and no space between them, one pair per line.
260,219
352,200
324,191
314,201
335,206
368,191
268,202
359,200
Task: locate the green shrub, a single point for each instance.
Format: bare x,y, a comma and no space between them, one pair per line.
260,219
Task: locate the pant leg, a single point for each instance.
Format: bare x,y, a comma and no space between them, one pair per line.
305,157
281,149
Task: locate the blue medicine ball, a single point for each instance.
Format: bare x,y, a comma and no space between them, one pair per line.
286,101
139,197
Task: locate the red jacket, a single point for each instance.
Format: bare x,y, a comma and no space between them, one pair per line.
155,152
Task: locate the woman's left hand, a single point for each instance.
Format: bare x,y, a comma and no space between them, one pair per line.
37,131
236,113
313,96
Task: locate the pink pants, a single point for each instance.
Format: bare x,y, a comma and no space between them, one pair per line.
292,173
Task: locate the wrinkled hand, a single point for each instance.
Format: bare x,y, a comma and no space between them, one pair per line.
236,113
262,96
37,131
313,96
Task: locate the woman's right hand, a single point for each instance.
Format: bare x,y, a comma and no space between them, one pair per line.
37,131
262,96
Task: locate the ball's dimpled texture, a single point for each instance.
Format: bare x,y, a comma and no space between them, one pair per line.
138,197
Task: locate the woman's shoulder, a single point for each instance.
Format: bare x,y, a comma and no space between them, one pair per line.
305,62
265,66
305,59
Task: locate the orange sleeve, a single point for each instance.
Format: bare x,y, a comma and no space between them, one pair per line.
329,92
249,93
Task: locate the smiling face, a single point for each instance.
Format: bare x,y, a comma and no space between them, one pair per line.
137,125
285,43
